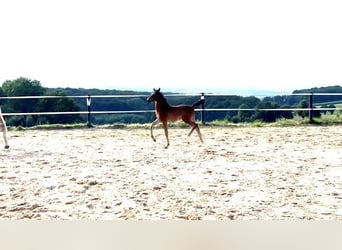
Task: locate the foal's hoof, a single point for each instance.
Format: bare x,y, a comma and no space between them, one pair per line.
6,147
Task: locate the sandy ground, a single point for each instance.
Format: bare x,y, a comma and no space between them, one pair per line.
239,173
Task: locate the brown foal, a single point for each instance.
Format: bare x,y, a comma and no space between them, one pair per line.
165,112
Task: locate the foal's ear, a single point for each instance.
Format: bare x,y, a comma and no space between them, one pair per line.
156,90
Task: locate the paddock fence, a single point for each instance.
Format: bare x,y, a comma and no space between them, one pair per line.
88,111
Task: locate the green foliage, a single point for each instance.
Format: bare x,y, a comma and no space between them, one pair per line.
263,113
303,105
243,114
266,115
331,106
119,118
317,99
22,87
58,104
26,87
285,114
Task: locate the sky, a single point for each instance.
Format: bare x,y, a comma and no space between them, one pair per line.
186,44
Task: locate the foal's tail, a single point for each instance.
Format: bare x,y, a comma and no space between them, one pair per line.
199,102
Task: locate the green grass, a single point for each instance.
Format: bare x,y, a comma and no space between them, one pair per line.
49,127
328,119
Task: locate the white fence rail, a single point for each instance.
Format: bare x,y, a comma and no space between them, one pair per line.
88,98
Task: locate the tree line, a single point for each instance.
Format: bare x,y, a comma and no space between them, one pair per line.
27,87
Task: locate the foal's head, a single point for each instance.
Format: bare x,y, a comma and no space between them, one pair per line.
155,96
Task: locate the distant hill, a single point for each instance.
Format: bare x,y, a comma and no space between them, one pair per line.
95,91
260,99
329,89
322,99
220,91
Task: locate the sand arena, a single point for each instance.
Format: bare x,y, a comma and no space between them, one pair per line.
239,173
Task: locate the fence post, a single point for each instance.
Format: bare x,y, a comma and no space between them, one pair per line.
202,107
88,106
311,108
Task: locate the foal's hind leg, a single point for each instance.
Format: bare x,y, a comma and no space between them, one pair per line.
166,134
194,126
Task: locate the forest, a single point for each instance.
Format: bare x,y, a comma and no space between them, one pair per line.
68,100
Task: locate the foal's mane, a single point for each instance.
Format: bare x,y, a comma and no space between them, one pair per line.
162,97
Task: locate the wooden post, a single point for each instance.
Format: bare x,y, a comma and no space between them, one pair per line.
202,107
311,108
88,106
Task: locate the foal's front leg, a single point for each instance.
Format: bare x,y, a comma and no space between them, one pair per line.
153,123
5,138
3,128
